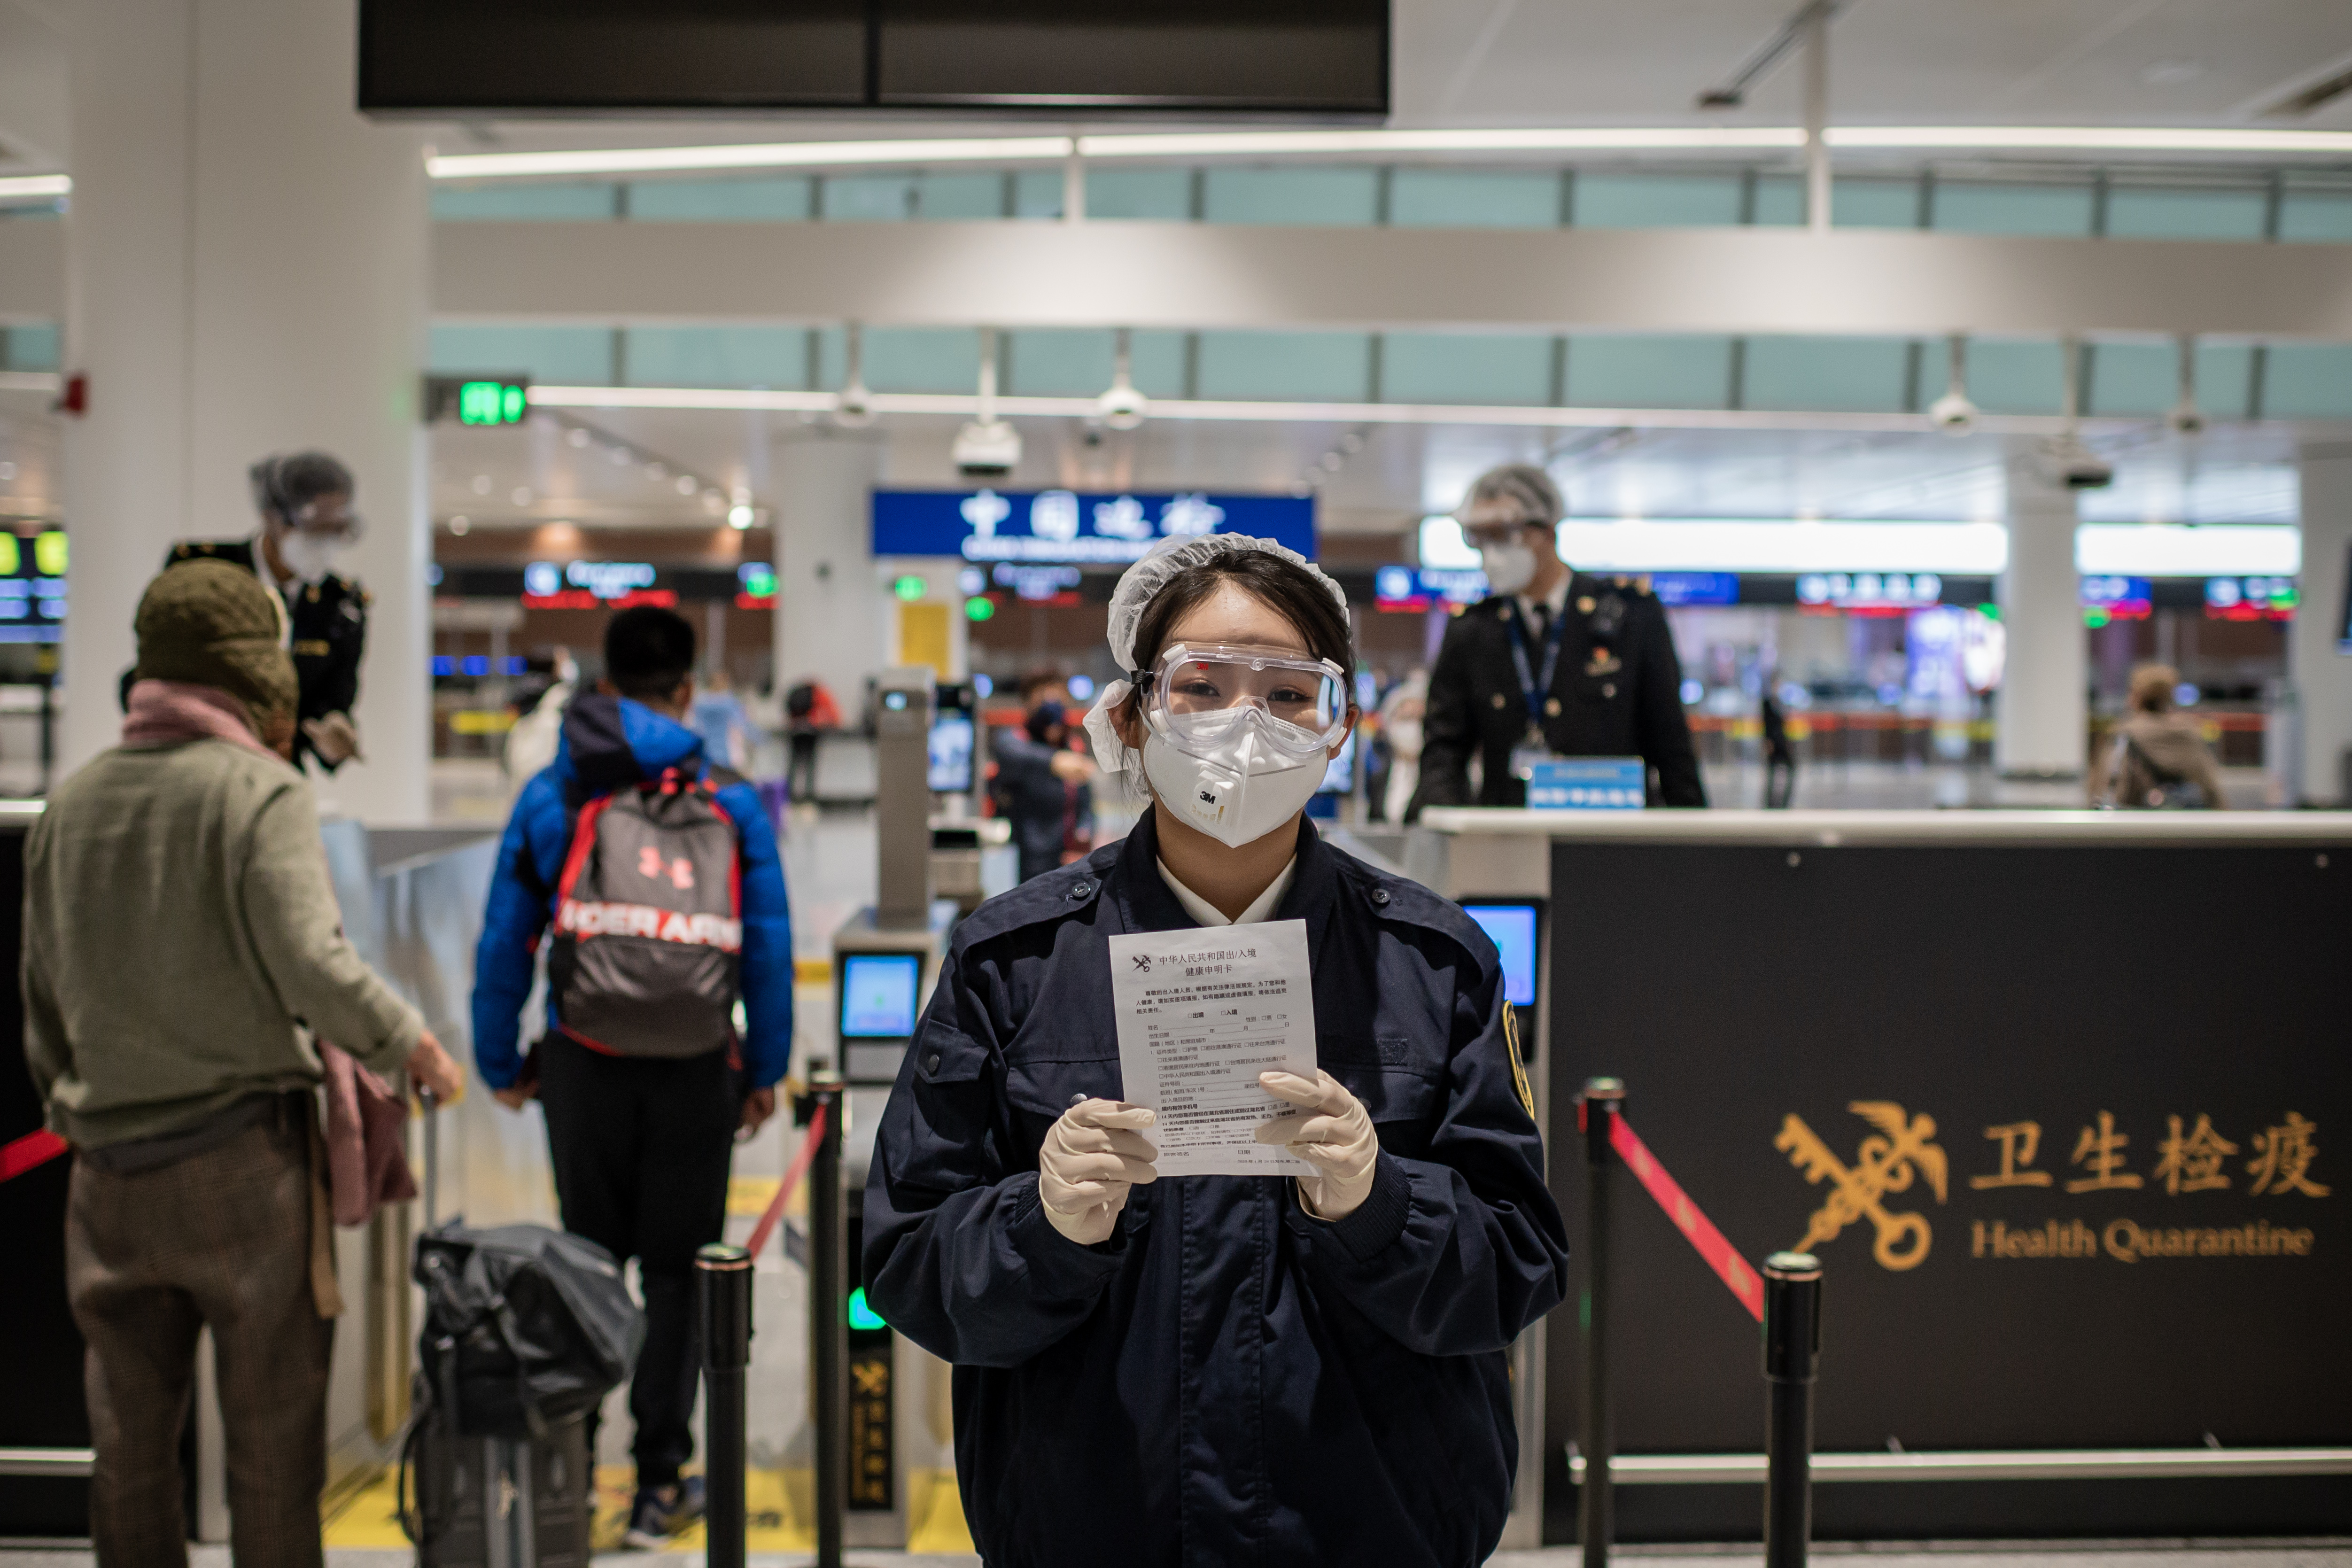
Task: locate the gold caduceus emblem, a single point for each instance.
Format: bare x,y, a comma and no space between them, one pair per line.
1886,1163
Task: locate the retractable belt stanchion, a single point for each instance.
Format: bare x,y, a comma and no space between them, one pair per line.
425,1098
828,1331
1792,1341
722,1275
1596,1118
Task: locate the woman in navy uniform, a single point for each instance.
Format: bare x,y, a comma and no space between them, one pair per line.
1553,661
306,521
1214,1370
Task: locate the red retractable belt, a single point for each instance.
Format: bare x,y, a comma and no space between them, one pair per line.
34,1149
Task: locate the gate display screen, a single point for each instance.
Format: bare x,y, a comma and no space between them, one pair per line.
1513,929
878,996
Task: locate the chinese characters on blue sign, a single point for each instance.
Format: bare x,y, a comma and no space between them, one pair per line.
1071,526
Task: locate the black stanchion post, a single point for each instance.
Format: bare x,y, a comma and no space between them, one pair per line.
1792,1342
828,1331
723,1280
1604,1101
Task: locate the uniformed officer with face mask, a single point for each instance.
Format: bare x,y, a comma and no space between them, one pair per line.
306,524
1551,663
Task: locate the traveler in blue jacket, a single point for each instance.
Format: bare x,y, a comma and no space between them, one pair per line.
641,1123
1215,1369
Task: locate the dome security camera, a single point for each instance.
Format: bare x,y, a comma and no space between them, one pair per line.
2186,419
1953,413
986,449
2078,467
852,405
1122,407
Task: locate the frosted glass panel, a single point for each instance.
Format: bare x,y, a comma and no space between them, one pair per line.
720,201
2225,378
1158,359
2132,378
1163,193
1656,200
2014,376
1465,367
2322,216
1446,198
575,356
571,200
2308,381
960,196
1875,204
716,356
922,358
1291,196
867,198
1059,362
1779,201
33,347
1037,193
1865,373
1310,367
2135,213
2012,209
1649,372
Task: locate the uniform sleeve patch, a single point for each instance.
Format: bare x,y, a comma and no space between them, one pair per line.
1518,1068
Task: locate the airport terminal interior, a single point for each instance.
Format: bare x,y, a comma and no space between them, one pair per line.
1914,913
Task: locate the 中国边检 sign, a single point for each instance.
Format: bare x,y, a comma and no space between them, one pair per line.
1076,527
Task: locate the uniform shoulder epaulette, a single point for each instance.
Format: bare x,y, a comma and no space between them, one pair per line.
1059,894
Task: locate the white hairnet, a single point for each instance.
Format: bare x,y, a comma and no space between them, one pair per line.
1138,587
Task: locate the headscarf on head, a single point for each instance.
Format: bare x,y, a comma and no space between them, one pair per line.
1138,587
207,623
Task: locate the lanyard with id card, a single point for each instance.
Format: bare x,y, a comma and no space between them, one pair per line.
1533,748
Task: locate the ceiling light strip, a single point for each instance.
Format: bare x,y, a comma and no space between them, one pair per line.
963,406
1698,139
34,187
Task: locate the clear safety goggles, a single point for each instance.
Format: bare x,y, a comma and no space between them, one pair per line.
1201,692
329,522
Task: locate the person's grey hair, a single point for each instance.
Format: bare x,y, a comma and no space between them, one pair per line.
1522,485
285,485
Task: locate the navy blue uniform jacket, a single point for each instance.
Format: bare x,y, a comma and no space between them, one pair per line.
1225,1381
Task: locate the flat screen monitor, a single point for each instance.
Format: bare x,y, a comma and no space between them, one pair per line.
1513,928
1339,777
951,740
1254,57
877,995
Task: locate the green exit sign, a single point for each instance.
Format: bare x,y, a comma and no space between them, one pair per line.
476,399
489,402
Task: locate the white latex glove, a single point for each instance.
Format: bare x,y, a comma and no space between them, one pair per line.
1336,1137
1090,1158
335,737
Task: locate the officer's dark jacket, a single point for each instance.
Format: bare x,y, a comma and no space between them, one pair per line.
329,635
1224,1381
1617,687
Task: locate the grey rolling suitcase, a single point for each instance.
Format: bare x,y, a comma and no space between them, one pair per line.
497,1483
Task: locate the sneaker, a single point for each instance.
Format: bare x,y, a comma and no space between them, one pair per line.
661,1512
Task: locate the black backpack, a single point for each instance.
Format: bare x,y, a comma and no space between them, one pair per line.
524,1327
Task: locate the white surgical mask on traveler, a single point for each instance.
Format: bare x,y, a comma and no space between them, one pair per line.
1240,737
1510,567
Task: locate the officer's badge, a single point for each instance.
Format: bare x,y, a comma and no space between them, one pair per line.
1603,662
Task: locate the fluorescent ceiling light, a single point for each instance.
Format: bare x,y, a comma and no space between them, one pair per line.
1662,544
2090,138
1443,548
2185,550
748,155
19,187
1375,141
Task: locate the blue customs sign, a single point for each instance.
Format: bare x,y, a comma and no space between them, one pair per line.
1076,527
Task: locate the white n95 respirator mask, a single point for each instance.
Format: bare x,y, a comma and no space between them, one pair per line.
1239,737
1508,567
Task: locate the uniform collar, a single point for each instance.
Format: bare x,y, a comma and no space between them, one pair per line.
1554,602
1147,902
1206,913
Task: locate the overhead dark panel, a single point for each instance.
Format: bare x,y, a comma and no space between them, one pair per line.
1326,57
1256,56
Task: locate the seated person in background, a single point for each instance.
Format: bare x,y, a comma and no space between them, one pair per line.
1221,1369
181,942
2156,757
658,871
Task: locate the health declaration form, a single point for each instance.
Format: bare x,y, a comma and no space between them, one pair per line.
1201,1014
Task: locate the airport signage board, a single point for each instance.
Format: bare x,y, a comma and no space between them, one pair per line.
1074,527
2070,1191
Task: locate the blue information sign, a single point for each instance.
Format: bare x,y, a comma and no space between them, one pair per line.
1588,784
1074,526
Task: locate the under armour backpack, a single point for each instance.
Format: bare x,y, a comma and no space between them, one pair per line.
648,944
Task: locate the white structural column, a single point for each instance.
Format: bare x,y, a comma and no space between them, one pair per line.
2039,713
834,620
246,273
2320,672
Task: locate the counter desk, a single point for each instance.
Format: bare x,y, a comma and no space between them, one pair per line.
2062,1100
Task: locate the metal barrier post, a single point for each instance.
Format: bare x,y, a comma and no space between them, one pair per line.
1792,1341
1603,1100
722,1275
828,1331
425,1098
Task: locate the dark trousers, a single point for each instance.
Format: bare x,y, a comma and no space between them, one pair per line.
800,774
640,1149
220,1239
1779,779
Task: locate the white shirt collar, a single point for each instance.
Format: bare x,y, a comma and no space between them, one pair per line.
1554,602
1261,909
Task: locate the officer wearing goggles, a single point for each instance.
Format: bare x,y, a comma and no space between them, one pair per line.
307,524
1221,1369
1551,663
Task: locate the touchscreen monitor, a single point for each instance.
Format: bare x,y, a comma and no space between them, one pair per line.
877,995
951,738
